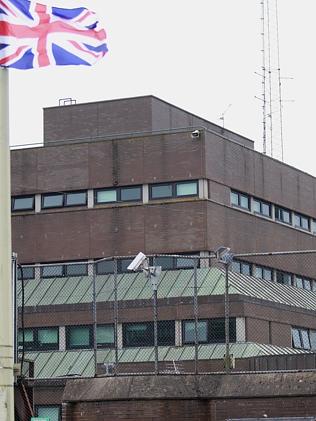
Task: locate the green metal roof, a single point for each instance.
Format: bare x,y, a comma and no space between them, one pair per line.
171,283
56,364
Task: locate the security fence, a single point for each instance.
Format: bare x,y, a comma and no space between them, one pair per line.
172,314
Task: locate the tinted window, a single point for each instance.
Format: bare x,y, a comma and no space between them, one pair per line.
189,331
105,267
79,337
52,271
138,334
80,269
47,338
217,330
23,203
160,191
52,201
53,413
131,193
296,338
28,273
105,335
76,198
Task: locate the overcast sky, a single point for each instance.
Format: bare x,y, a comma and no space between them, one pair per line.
200,55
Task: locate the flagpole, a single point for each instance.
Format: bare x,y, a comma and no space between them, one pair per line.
6,318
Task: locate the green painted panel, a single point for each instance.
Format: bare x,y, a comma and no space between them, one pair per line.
106,288
66,362
184,282
81,362
121,286
78,294
38,293
127,284
68,285
145,354
166,281
128,355
140,282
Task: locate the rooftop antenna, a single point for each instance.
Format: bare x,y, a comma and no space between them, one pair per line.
272,101
222,116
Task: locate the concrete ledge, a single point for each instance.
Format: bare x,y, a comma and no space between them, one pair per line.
190,387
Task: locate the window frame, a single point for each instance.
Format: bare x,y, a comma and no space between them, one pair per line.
150,334
239,194
281,209
242,263
26,196
174,185
118,194
25,276
68,330
64,199
48,406
35,344
209,327
262,202
263,268
106,344
300,216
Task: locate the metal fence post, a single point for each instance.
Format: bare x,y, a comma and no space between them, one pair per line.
196,315
115,317
155,304
227,351
94,310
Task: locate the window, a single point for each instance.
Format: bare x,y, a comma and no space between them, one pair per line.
283,215
79,337
165,262
261,207
313,226
208,331
78,269
52,271
105,267
173,190
39,339
76,198
119,194
142,334
299,282
188,331
239,199
241,267
303,338
52,200
22,203
284,278
28,273
160,191
301,221
105,336
52,412
263,273
187,188
58,200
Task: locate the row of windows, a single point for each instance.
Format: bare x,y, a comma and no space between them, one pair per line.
134,334
280,214
303,338
107,195
270,274
104,267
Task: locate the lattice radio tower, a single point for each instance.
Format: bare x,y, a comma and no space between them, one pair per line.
272,102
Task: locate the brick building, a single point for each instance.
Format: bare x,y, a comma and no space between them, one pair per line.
118,177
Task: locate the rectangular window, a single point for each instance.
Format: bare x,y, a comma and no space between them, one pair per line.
186,188
165,262
283,215
52,271
217,330
138,334
142,334
308,284
284,278
80,269
79,337
28,273
47,338
105,267
52,412
130,194
305,339
22,203
52,200
76,198
301,221
312,337
261,207
296,338
106,196
105,336
313,226
161,191
239,199
241,267
299,282
39,339
263,273
188,331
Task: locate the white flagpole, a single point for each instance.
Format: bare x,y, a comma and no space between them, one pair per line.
6,311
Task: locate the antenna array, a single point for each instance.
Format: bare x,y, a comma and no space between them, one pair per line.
272,102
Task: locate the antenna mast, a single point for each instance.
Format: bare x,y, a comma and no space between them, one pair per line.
272,107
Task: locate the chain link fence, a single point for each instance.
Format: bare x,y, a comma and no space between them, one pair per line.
173,315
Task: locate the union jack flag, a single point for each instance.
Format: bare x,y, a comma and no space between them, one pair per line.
34,35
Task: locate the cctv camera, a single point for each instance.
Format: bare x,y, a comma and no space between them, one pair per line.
195,134
137,262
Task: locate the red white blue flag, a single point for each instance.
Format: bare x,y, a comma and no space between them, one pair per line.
34,35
